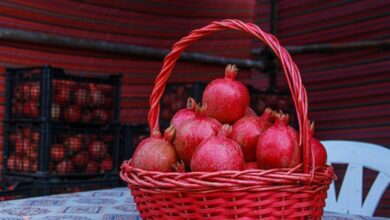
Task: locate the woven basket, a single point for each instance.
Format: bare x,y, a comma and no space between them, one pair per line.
293,193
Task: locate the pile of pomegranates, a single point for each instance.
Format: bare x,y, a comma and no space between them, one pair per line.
224,133
80,153
71,101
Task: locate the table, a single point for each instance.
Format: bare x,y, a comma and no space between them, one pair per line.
110,204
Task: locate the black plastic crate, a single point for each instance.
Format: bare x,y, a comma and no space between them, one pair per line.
131,136
43,150
175,98
49,94
43,188
18,188
15,188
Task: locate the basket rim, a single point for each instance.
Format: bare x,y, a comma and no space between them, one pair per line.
230,180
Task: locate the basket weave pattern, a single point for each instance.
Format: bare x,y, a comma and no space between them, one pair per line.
293,193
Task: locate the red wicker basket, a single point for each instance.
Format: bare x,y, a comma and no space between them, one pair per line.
294,193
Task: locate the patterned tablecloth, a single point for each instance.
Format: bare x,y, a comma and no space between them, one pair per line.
112,204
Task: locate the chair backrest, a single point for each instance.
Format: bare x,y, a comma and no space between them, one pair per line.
357,155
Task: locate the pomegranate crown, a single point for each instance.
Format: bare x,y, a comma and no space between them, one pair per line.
191,103
169,133
231,71
225,130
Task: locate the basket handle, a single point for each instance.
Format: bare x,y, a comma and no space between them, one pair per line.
290,70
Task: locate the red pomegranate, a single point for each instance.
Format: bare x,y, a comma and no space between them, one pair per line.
101,115
246,133
30,109
55,112
86,116
92,167
34,91
81,97
22,146
106,165
57,152
97,149
61,94
80,159
192,132
13,162
226,98
72,113
64,167
73,143
97,96
156,153
278,146
185,113
250,165
318,149
250,112
218,153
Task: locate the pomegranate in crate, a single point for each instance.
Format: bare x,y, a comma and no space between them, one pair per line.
64,167
72,113
57,152
73,143
80,159
82,97
97,149
106,165
92,167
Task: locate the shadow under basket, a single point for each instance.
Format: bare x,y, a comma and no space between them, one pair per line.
283,193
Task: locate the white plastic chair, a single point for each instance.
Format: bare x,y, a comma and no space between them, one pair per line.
357,155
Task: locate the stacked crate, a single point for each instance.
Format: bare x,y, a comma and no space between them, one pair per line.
60,127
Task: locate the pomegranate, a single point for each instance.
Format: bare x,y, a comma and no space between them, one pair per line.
267,119
227,98
73,143
34,91
25,164
97,150
13,162
33,155
55,112
57,152
72,113
185,113
81,97
101,115
22,146
246,133
35,137
156,153
61,95
250,165
80,159
250,112
86,116
97,96
106,165
192,132
33,166
92,167
278,146
30,109
64,167
218,153
318,149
